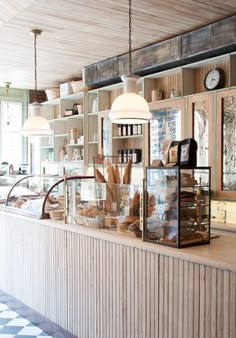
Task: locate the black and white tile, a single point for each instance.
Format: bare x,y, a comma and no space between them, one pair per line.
18,320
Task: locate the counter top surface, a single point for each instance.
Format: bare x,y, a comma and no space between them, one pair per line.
221,253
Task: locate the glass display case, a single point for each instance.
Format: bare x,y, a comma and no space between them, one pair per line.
78,200
104,206
42,196
29,195
177,206
6,183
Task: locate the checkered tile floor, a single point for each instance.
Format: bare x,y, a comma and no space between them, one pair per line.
13,325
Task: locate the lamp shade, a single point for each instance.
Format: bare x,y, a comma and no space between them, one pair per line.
36,125
130,107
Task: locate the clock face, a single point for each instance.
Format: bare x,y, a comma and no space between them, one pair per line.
214,79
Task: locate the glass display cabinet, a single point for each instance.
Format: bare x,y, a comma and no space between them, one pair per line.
104,206
78,200
41,196
29,194
177,206
6,183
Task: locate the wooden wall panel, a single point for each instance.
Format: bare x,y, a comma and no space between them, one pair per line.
33,266
199,75
166,84
96,288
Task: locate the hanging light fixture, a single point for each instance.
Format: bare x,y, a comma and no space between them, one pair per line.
7,86
36,125
130,107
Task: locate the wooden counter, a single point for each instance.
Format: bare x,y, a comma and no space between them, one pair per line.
99,284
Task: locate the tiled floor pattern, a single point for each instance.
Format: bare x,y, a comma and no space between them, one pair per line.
13,325
18,320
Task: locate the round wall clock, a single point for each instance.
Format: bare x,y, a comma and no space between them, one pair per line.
214,79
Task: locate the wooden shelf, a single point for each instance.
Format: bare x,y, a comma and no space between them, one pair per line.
126,137
75,145
61,135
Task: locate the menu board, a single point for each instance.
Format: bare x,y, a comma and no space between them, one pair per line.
164,125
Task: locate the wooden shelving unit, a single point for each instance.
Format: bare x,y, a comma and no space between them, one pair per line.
100,136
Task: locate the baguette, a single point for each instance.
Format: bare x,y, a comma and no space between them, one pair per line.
109,198
135,200
127,173
110,173
135,204
117,174
99,177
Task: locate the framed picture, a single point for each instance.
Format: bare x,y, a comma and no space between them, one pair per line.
165,125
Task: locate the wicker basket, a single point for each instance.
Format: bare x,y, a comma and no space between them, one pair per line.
52,93
93,222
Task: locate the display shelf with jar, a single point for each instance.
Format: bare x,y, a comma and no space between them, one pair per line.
199,77
177,205
67,115
163,85
164,91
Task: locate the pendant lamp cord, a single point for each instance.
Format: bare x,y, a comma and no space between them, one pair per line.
35,68
7,86
130,37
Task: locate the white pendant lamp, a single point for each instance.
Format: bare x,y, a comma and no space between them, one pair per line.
130,107
36,125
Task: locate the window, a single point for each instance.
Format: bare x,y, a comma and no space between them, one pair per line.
11,147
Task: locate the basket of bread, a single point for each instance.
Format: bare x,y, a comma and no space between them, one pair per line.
90,217
122,204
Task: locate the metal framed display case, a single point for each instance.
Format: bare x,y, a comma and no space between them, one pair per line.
29,193
177,205
40,196
6,183
105,206
78,200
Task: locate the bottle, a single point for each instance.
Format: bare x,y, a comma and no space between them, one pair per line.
138,155
135,129
124,130
120,154
130,155
139,129
119,130
129,129
125,156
